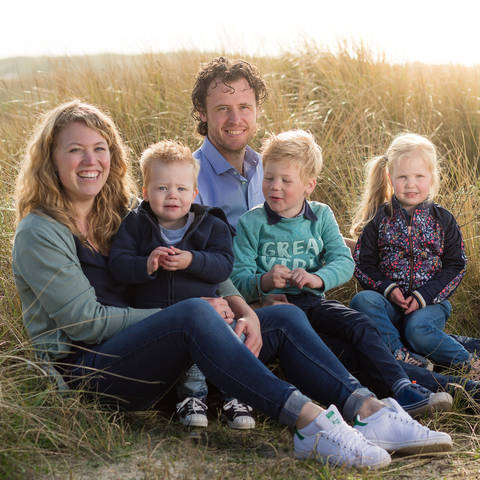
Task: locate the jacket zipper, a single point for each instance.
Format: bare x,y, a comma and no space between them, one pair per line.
409,229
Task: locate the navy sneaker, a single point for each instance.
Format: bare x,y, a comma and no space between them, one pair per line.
411,358
417,400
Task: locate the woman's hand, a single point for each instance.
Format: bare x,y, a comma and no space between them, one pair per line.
222,307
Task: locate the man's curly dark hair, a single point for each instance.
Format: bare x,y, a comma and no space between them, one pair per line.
226,71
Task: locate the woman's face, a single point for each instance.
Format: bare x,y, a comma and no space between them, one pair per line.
82,160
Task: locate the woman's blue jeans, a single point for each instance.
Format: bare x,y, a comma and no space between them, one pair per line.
136,367
422,330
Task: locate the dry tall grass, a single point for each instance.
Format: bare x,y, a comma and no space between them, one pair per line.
352,103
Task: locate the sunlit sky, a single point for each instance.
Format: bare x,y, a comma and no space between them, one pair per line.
432,31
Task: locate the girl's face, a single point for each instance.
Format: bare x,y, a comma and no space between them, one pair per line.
82,160
411,180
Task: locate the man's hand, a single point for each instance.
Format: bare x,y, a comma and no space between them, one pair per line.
153,261
277,277
250,327
396,296
176,260
413,305
247,323
301,278
222,307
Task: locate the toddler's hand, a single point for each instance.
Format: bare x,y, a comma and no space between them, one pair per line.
153,261
396,296
176,260
412,305
276,277
301,278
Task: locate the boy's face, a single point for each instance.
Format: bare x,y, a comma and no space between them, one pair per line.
170,192
284,189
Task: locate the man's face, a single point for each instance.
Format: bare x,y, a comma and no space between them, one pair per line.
231,115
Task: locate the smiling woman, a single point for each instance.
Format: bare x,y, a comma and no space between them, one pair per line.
82,162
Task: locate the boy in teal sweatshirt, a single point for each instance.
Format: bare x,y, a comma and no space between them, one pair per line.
291,249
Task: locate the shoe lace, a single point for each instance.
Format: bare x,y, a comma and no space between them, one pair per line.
405,356
238,407
192,405
404,417
345,437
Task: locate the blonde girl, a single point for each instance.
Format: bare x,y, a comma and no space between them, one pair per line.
409,255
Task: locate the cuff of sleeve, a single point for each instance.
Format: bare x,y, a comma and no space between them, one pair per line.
421,301
388,290
258,285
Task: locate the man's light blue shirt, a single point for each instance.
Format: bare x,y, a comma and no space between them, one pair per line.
220,185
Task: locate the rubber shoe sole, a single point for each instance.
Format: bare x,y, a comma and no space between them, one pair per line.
194,420
437,402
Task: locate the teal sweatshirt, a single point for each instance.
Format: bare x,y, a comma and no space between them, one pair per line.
311,241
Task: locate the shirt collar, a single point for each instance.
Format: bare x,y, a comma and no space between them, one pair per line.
273,217
218,162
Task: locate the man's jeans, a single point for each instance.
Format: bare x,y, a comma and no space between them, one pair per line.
136,367
422,330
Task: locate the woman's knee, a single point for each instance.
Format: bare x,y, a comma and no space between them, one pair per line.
196,312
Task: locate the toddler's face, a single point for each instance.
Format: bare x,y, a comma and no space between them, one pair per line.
411,180
170,192
284,189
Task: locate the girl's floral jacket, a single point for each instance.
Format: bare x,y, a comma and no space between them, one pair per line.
423,254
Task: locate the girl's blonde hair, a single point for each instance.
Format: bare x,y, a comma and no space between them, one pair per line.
38,188
298,147
378,188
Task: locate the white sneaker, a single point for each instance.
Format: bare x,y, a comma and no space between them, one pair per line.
192,412
396,431
338,444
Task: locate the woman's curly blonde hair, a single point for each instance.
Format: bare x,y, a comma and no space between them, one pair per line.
38,188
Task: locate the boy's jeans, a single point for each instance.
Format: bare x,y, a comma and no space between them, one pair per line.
193,382
332,318
422,329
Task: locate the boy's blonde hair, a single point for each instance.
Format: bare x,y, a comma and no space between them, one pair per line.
298,147
167,152
378,188
38,187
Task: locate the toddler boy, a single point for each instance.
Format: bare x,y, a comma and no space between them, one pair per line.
169,249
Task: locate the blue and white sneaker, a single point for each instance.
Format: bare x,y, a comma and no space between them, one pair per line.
330,440
395,430
417,400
